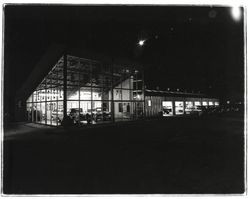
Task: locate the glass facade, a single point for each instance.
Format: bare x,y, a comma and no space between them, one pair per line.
87,91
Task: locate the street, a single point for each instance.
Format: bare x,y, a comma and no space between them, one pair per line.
188,155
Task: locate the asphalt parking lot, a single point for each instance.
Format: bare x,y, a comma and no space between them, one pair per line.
202,155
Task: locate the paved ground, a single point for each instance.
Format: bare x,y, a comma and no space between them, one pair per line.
174,155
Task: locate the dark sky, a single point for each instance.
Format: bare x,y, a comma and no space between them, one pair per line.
190,48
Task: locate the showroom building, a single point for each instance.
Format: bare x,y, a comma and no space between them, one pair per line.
90,88
93,90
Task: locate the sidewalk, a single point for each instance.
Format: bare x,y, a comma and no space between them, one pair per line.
19,128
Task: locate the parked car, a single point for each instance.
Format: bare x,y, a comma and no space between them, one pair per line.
190,110
195,110
166,111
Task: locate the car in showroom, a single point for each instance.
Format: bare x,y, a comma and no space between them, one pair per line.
98,114
57,115
77,114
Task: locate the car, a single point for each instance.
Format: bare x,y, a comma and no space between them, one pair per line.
194,110
57,115
106,115
76,114
190,110
166,111
98,114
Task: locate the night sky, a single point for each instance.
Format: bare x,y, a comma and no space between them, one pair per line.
190,48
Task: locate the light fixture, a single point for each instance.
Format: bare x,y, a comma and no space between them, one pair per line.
236,13
141,42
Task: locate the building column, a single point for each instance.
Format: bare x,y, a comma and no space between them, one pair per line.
46,91
143,94
91,91
173,105
64,85
184,107
32,109
112,93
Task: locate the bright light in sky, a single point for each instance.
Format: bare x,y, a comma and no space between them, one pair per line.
141,42
236,13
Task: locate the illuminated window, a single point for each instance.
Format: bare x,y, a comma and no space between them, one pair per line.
149,102
197,103
189,104
179,107
204,103
167,104
167,108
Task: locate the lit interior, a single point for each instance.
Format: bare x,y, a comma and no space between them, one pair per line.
197,103
179,107
204,104
91,89
189,107
210,103
167,108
